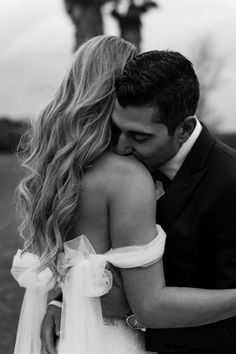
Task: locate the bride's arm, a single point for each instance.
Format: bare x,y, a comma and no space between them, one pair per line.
132,222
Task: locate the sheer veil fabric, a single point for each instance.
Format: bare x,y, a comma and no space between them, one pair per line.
84,281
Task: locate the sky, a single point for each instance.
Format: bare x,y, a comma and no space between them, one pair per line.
36,41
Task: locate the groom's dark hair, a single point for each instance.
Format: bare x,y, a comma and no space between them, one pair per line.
163,79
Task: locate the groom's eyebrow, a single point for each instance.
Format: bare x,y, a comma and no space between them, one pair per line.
131,131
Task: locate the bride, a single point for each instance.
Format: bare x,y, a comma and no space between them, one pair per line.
83,208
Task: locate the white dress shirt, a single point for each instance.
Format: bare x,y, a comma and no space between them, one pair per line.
171,167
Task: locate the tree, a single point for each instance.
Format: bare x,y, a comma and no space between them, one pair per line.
130,22
86,15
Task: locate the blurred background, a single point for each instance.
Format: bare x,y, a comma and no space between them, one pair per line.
37,42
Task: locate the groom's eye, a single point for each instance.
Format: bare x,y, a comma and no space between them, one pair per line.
140,137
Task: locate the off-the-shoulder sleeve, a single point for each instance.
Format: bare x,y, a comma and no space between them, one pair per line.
138,256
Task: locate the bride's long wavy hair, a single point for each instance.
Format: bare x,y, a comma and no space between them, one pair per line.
70,133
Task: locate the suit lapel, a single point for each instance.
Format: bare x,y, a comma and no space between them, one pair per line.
170,205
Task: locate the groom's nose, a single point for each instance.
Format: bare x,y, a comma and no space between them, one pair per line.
123,146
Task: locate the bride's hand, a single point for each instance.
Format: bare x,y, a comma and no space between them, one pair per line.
50,329
114,303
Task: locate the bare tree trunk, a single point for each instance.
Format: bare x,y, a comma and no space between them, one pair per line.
87,18
130,23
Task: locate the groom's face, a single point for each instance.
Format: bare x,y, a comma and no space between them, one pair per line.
134,132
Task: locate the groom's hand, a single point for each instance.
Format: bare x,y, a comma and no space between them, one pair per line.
114,303
50,329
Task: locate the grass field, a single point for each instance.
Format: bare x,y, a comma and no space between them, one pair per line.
10,293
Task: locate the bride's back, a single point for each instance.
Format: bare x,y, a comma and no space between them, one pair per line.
102,183
92,210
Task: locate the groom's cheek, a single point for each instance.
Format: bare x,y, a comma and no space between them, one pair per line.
115,135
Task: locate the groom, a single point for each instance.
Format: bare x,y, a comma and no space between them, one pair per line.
196,202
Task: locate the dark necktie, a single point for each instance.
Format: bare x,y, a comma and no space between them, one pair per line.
158,175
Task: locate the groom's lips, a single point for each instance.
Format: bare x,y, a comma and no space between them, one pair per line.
134,156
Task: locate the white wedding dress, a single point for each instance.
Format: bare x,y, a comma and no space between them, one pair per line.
84,281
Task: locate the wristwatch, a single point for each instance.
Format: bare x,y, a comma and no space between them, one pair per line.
133,323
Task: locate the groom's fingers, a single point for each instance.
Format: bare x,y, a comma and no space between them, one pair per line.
115,296
44,351
57,328
116,276
49,342
48,329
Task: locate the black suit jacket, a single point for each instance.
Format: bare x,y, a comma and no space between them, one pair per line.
198,214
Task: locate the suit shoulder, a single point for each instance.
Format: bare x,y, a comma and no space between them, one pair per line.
222,163
225,150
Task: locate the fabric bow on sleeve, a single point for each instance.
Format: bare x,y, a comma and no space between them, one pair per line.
85,280
25,269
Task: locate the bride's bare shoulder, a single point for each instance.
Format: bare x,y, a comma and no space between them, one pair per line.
117,171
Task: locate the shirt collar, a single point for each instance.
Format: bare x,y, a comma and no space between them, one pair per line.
171,167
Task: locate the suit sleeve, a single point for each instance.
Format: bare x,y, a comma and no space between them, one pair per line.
224,240
220,335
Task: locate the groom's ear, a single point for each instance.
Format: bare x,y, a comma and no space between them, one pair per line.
185,129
